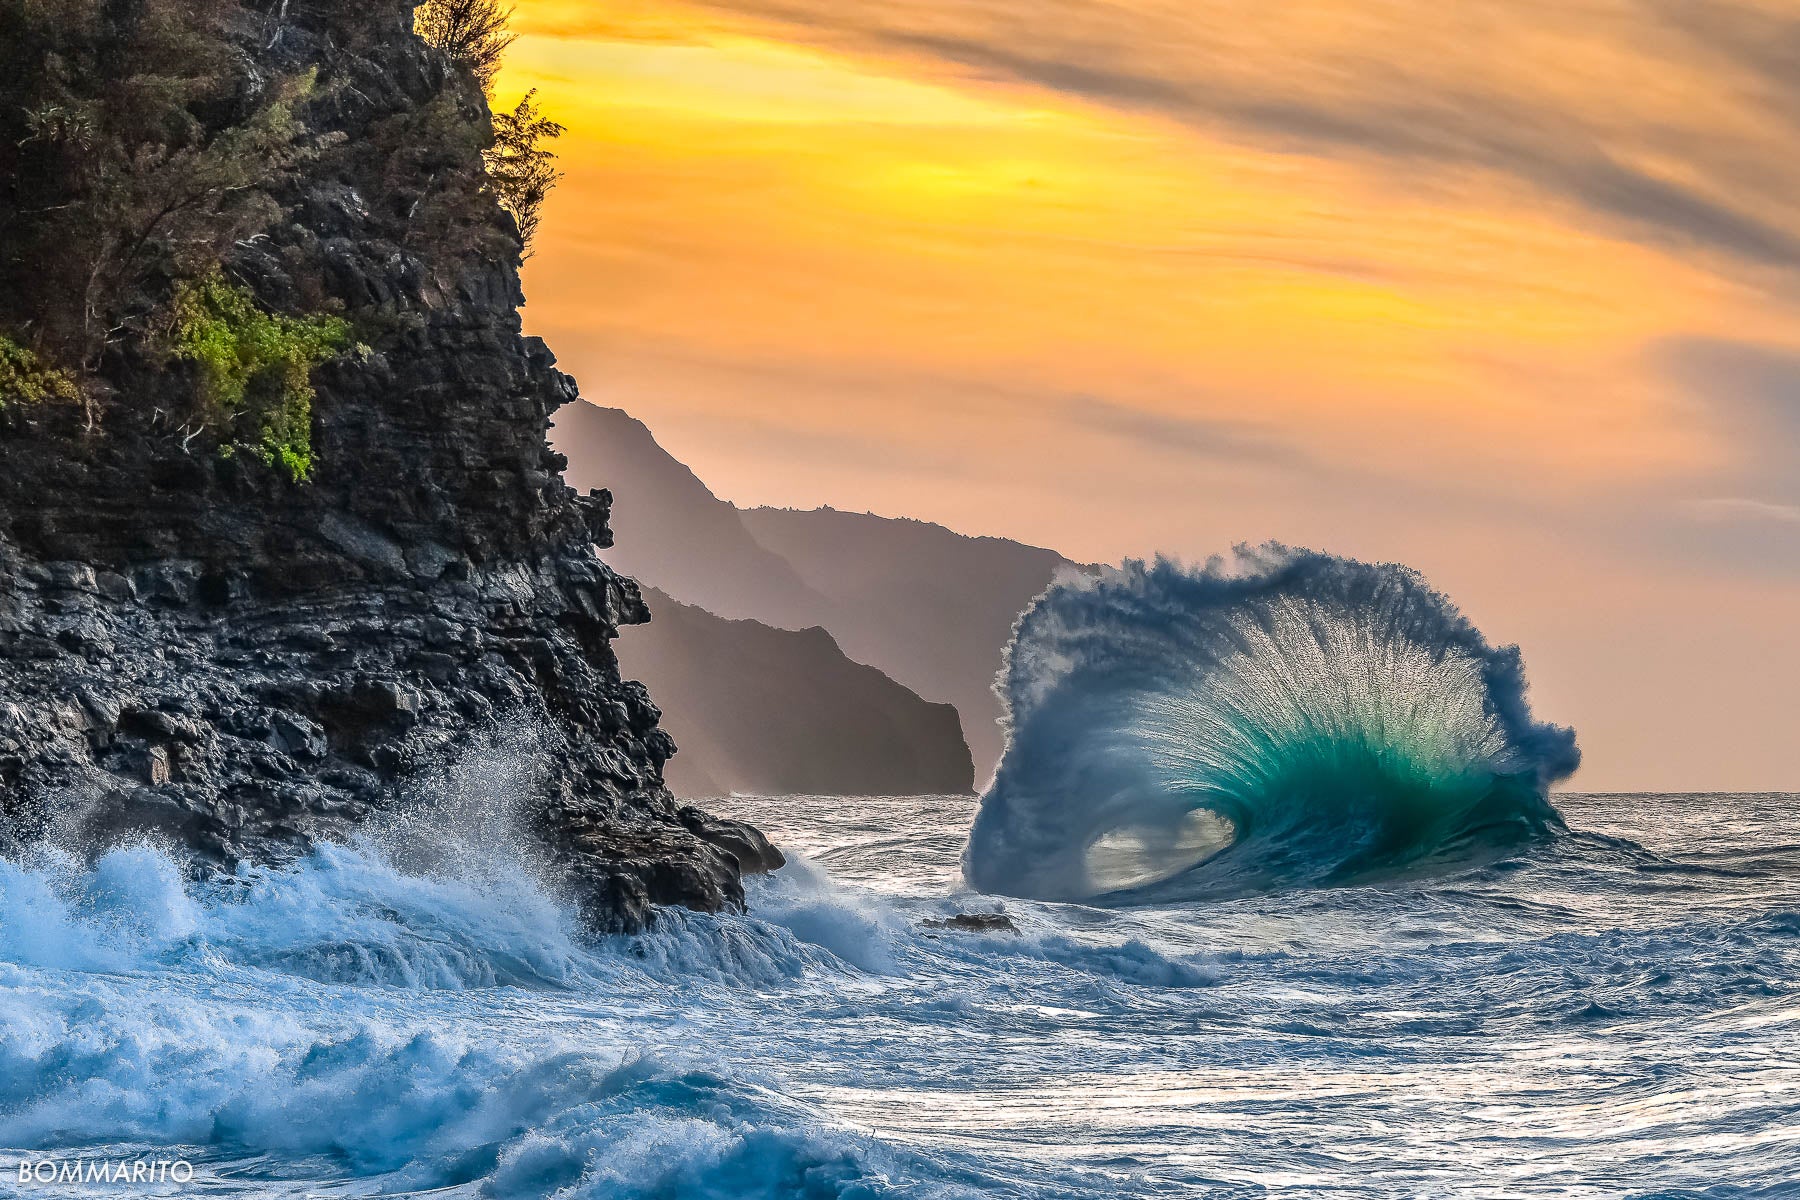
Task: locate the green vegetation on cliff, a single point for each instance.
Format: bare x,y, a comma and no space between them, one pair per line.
255,363
25,378
119,170
521,169
472,32
170,177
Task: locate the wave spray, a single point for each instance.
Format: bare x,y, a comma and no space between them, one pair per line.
1282,717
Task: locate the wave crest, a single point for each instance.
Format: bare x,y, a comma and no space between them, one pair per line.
1283,716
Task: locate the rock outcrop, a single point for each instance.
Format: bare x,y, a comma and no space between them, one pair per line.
193,646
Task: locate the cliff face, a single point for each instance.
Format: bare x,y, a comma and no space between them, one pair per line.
192,644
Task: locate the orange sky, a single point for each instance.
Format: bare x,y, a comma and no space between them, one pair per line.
1511,294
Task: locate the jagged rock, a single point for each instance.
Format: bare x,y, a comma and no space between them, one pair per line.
297,736
988,922
192,645
754,852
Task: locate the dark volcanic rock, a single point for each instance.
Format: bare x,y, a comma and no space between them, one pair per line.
987,922
245,730
193,647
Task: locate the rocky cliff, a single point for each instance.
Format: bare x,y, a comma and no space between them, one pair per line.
197,647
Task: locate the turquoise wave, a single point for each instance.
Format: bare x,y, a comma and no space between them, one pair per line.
1282,717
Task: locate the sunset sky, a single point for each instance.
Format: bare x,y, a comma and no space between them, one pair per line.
1509,292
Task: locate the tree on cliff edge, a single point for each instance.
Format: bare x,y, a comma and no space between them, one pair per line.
109,178
472,32
521,169
153,224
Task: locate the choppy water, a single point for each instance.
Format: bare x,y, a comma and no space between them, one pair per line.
1614,1013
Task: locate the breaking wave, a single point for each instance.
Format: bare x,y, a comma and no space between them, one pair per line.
343,1018
1284,717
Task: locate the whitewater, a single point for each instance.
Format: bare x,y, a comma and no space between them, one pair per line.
1290,909
1277,717
1615,1014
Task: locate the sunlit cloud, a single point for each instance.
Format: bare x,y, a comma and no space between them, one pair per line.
1654,116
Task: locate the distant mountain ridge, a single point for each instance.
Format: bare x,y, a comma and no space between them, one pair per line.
783,712
930,608
681,538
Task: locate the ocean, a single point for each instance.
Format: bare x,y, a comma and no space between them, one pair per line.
1611,1010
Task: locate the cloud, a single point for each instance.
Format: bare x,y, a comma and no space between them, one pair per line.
1761,45
1220,440
1750,511
1741,508
1426,86
639,21
1752,389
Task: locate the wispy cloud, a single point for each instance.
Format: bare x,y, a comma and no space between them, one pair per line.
1742,507
1750,395
1218,440
1760,45
1661,119
1750,390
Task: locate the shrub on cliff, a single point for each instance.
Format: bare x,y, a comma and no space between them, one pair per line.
256,364
520,167
151,149
133,147
26,378
472,32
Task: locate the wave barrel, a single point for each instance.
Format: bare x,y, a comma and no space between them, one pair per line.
1279,718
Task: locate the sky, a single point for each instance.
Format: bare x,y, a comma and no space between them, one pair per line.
1508,292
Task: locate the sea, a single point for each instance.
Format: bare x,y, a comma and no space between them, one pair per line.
1611,1009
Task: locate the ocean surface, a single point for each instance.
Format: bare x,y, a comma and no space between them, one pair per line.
1608,1011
